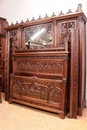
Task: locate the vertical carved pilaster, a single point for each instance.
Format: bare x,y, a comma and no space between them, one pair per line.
82,65
7,57
74,74
55,32
21,37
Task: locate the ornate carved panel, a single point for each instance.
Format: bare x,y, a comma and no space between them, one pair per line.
69,25
49,91
65,32
42,67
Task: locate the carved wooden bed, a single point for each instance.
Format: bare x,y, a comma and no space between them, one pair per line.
47,63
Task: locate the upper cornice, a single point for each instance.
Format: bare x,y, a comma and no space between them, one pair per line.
48,19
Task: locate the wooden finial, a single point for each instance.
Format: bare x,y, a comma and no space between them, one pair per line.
21,21
46,16
16,22
69,11
53,14
39,17
61,13
27,20
12,24
79,8
33,19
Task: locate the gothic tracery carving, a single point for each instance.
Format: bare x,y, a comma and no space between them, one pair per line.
41,67
47,91
66,33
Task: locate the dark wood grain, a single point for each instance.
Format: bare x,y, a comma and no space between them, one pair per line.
49,77
2,53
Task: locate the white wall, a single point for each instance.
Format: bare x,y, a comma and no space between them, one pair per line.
16,10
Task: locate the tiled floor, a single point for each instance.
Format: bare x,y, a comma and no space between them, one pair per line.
19,117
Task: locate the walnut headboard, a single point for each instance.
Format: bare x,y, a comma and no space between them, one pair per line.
53,48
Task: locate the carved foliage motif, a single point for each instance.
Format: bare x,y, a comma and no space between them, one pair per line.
13,39
66,32
40,90
65,39
42,67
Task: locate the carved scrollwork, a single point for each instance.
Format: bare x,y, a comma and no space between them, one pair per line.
65,38
66,33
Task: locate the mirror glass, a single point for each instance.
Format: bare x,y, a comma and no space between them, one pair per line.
39,36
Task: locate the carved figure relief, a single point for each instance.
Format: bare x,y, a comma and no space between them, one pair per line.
13,39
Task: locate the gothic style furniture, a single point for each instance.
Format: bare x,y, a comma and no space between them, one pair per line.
47,63
2,53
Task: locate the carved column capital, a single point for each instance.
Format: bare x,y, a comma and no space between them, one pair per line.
80,19
55,22
21,28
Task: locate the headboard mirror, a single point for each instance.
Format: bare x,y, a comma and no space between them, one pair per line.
38,36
